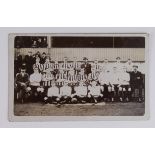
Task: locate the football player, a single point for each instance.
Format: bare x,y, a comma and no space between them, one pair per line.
76,66
94,92
104,81
38,65
118,64
60,78
71,75
65,66
53,95
95,68
124,89
106,65
113,88
47,78
47,64
66,93
129,65
81,75
56,67
80,92
35,79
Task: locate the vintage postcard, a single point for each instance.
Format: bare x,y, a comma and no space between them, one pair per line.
78,76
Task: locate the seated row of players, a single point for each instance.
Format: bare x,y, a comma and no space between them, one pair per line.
109,86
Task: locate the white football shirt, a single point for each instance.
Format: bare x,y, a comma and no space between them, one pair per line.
65,91
81,90
35,79
95,90
53,91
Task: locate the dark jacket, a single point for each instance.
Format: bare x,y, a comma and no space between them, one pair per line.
42,60
136,79
22,79
19,61
87,68
29,61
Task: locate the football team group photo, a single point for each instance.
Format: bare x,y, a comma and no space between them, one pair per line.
79,75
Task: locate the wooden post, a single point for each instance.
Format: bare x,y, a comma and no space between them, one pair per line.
49,44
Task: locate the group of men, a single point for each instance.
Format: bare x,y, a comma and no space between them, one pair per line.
40,78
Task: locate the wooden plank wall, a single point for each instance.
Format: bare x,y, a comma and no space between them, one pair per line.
136,54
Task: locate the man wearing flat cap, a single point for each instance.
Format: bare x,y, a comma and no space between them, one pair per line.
136,81
22,82
86,66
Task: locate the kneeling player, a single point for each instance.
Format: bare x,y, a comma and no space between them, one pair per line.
125,89
104,82
81,93
94,92
53,94
65,92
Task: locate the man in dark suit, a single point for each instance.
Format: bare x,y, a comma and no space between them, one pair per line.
136,81
43,58
22,82
18,63
86,66
29,61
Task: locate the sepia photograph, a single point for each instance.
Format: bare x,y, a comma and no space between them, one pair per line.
77,75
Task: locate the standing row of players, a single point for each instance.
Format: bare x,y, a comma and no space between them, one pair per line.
67,82
44,62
